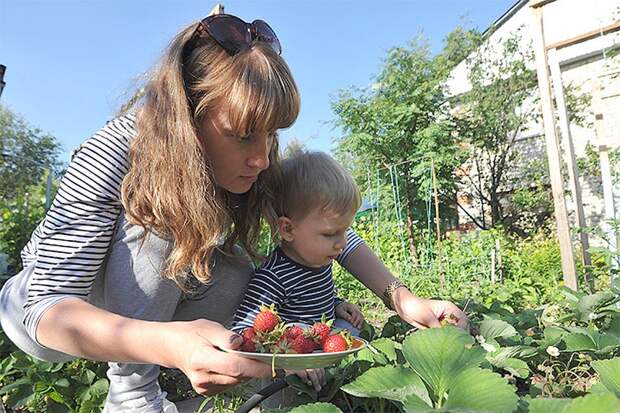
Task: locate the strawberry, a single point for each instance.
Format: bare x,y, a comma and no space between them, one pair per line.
444,319
303,344
293,332
320,332
337,342
248,339
267,319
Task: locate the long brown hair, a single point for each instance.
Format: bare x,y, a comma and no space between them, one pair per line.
170,188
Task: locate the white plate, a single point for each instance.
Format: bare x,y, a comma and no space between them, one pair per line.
303,361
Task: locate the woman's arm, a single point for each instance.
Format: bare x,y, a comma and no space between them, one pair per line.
364,264
190,346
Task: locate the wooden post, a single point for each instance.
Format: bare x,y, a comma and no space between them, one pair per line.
493,253
553,155
442,278
573,171
498,248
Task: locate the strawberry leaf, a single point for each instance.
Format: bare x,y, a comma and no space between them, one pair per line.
393,383
438,355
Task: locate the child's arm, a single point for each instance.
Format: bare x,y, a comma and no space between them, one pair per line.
350,313
364,264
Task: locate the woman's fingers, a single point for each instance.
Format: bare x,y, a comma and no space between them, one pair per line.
231,365
220,336
209,369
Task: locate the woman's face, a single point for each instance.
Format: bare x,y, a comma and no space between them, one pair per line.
236,160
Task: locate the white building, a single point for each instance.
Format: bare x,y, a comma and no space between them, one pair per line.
583,38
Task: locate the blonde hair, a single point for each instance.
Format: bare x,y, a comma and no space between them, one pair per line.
312,180
170,187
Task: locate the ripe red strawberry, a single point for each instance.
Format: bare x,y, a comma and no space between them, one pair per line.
266,320
248,339
293,332
320,331
336,342
303,344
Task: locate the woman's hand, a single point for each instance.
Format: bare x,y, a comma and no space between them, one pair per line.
350,313
194,347
423,313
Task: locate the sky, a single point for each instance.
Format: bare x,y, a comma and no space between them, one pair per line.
71,64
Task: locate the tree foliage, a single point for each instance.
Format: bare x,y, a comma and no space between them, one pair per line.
399,125
26,153
27,156
506,174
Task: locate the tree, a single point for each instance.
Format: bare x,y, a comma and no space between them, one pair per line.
27,156
26,153
399,125
504,175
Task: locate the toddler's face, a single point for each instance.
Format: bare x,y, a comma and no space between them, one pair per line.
319,237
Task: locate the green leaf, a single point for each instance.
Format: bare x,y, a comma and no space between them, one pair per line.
579,342
316,408
99,388
588,339
386,346
607,403
56,408
491,329
89,407
614,325
547,405
63,382
609,373
515,367
20,397
24,381
57,397
296,383
481,391
439,354
393,383
505,353
588,305
552,336
413,404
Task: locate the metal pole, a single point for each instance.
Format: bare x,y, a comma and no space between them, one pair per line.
48,189
2,82
608,196
553,155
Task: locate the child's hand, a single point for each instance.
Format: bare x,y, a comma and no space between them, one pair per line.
312,377
349,312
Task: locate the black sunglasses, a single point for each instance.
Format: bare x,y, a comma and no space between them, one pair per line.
235,35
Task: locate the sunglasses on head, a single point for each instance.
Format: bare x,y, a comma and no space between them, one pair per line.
234,35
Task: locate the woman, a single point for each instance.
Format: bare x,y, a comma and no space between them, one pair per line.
137,262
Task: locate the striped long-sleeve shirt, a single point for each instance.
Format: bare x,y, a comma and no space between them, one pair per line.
69,246
299,293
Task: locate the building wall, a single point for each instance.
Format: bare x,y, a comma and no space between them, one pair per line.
592,66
